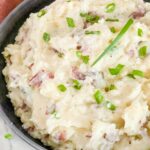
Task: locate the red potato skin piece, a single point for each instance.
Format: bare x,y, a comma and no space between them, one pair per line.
30,66
77,74
51,75
36,80
138,14
62,136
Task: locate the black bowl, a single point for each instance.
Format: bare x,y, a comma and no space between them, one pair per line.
8,31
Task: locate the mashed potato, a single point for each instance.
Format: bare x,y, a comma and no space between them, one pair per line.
65,101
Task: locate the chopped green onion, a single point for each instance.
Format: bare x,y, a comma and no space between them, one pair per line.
117,70
112,20
110,106
113,30
134,73
79,54
8,136
138,73
83,14
62,88
46,37
85,59
41,13
98,97
140,32
131,76
60,54
68,0
143,51
110,7
115,41
92,32
77,85
70,22
110,88
90,18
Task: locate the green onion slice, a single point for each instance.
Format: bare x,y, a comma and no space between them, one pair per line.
112,20
77,85
117,70
41,13
70,22
8,136
98,97
46,37
115,41
92,32
90,18
62,88
113,30
143,51
84,58
110,106
140,32
110,88
110,7
135,73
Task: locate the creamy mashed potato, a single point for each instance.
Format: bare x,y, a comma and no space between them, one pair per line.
65,101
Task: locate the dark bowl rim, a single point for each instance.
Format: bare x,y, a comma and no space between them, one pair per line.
3,28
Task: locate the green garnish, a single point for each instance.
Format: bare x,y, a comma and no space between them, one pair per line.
115,41
98,97
70,22
84,14
55,114
117,70
85,58
41,13
110,88
8,136
61,55
77,85
135,73
143,51
90,18
68,0
130,75
79,54
112,20
92,32
110,7
110,105
138,73
113,30
46,37
140,32
62,88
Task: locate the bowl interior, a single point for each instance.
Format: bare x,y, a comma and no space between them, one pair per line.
10,31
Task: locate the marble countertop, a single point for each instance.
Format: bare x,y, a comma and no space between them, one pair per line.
15,143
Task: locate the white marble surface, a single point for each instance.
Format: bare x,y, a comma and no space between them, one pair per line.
15,143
